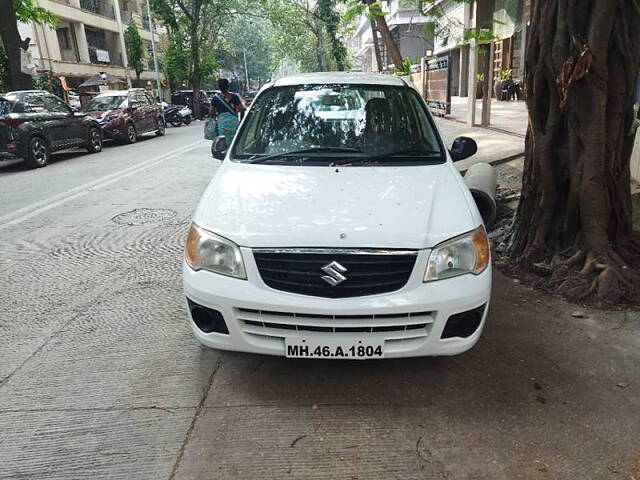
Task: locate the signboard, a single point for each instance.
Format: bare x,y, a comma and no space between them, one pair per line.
436,85
26,62
102,56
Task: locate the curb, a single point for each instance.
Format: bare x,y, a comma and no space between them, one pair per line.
497,161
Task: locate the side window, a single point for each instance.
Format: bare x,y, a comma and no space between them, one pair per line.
34,104
55,105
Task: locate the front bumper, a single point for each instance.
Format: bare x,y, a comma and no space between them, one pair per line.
242,302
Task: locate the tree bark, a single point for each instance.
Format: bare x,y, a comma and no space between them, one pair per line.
575,209
390,43
376,45
12,44
387,37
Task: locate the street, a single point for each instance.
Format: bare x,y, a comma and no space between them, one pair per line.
101,378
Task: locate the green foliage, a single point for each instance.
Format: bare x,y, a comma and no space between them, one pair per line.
135,49
405,70
327,13
30,11
479,77
49,83
504,75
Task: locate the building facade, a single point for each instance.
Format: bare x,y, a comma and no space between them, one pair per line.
407,27
89,39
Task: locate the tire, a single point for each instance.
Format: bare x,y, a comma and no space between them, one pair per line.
38,153
160,124
176,121
94,142
130,133
187,120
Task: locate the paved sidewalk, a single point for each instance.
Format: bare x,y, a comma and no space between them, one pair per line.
493,146
508,116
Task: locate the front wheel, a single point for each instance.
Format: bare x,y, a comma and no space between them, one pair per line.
94,140
160,127
130,133
38,153
175,121
187,120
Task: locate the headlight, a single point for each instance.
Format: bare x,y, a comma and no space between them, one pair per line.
208,251
468,253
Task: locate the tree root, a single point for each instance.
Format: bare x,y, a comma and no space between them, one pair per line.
604,276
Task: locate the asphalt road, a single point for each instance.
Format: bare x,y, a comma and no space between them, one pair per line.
100,377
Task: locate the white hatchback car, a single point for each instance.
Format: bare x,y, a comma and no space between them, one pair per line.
338,227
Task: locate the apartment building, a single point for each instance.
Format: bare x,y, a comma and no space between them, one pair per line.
508,22
407,27
89,39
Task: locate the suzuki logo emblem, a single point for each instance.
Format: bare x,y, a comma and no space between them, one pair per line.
334,273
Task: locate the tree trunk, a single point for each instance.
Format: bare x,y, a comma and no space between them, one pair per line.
390,43
195,74
387,37
12,44
376,45
575,210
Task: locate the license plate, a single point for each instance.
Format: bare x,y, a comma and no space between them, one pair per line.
333,349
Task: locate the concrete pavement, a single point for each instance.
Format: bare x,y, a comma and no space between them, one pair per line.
100,377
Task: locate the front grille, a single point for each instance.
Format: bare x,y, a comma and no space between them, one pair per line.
368,272
281,324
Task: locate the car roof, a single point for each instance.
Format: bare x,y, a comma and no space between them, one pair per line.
357,78
16,92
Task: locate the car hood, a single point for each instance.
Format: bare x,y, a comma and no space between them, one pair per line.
339,207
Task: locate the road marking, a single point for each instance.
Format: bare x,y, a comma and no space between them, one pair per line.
42,206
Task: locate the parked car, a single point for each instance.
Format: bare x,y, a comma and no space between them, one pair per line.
35,123
185,98
337,226
126,114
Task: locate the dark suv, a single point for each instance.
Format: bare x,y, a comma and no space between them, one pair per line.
34,123
126,114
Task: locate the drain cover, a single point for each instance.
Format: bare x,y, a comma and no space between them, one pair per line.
144,216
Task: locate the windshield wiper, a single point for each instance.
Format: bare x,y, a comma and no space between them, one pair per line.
260,159
382,156
407,151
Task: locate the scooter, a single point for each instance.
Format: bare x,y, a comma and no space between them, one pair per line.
172,115
185,113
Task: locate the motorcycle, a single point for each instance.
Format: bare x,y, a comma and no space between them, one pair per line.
185,113
172,115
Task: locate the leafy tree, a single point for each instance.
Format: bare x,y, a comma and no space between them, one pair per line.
199,23
374,11
326,11
15,11
134,47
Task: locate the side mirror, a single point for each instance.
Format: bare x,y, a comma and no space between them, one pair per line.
463,147
219,147
133,108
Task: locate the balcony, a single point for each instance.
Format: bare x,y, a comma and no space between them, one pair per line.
126,16
105,57
100,7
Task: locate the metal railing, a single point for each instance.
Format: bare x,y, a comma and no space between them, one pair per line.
105,57
101,7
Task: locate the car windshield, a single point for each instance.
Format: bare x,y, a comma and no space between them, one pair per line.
5,106
105,103
344,121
